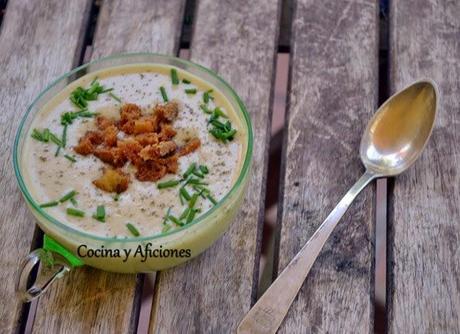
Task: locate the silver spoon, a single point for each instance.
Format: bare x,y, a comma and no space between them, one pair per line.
394,138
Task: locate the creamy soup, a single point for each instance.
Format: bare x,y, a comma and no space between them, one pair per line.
154,188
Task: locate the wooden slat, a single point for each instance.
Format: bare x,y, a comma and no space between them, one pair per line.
333,94
89,300
212,292
424,207
30,55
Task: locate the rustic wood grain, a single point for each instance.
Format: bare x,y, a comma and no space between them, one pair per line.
211,293
333,94
424,206
29,58
90,300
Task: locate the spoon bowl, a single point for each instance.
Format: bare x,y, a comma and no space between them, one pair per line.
398,132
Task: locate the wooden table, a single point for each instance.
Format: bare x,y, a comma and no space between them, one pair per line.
334,89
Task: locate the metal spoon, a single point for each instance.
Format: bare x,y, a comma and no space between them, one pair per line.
394,138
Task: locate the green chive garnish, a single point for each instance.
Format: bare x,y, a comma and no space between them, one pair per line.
207,96
205,109
186,81
218,112
212,199
116,198
168,184
71,158
100,213
75,212
163,94
191,215
57,151
204,169
55,140
68,196
184,213
46,135
165,218
191,91
113,96
174,77
73,201
134,231
175,220
192,201
49,204
189,170
185,194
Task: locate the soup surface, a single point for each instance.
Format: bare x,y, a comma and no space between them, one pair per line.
133,151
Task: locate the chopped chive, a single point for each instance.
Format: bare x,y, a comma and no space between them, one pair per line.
43,137
116,198
181,199
73,201
71,158
113,96
175,220
165,218
207,96
198,173
168,184
49,204
75,212
204,169
185,194
192,201
191,215
205,109
100,213
212,199
134,231
64,136
55,139
186,81
189,170
184,213
46,135
57,151
197,182
218,112
174,77
190,91
163,94
68,196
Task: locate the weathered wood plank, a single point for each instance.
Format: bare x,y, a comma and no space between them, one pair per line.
28,57
334,72
424,207
211,293
89,300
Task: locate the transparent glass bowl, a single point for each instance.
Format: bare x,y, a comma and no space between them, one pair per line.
196,236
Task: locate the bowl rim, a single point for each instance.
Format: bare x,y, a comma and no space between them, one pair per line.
238,183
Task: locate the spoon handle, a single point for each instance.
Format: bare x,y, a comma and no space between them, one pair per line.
269,311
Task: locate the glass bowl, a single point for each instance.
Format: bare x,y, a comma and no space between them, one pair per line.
195,236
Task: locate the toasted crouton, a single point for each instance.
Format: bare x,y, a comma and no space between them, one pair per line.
112,155
192,145
143,125
151,152
110,135
150,171
129,112
112,180
87,144
103,122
